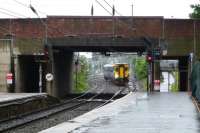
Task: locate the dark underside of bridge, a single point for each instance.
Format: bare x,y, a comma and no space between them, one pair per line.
101,44
62,63
63,49
183,70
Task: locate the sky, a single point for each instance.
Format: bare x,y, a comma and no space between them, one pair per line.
166,8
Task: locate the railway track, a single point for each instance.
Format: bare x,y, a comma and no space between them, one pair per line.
33,116
65,106
68,105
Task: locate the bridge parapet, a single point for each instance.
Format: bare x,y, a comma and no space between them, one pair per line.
180,34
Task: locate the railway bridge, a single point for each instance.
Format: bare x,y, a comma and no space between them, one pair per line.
60,36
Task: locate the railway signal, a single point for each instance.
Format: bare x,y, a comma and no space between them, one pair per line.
156,52
9,78
46,53
149,57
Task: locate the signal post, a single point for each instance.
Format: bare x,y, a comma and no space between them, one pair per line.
153,69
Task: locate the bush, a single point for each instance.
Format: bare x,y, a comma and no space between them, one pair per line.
81,84
141,68
174,86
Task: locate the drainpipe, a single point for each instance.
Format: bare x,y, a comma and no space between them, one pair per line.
194,40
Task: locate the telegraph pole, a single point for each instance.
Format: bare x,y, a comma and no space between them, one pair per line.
46,34
12,64
132,15
132,10
113,14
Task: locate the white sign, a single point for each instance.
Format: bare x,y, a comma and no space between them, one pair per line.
191,56
164,52
49,77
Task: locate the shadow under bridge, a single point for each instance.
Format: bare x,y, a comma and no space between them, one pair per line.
61,55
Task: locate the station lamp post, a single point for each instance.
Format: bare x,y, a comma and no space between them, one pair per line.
152,56
45,50
149,59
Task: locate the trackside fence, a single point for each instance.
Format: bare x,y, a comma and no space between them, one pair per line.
195,81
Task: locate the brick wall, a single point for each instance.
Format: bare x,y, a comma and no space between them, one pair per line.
30,33
123,26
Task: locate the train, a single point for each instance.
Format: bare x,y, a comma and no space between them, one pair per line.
117,73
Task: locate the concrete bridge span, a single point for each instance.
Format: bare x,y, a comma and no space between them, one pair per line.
62,60
102,44
103,33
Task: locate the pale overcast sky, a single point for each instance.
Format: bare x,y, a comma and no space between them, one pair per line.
166,8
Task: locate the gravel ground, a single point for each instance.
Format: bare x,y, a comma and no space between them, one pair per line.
48,122
98,82
108,86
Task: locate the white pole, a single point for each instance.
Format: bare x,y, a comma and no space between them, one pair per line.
132,10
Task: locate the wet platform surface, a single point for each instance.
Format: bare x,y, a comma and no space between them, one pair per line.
138,113
9,97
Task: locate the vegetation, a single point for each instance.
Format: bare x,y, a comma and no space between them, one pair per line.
196,11
161,77
174,86
81,75
140,68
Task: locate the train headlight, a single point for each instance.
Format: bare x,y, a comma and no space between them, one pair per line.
116,75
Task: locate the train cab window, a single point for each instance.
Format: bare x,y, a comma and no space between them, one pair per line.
110,69
117,69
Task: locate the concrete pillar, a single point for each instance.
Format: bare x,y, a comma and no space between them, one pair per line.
156,70
63,73
17,77
189,74
20,76
183,74
27,76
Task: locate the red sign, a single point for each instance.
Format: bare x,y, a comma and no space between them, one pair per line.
9,78
157,82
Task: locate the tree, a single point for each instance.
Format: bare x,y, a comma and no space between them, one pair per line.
141,68
174,86
140,71
82,75
196,11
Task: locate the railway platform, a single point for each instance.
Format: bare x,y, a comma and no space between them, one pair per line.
138,113
6,98
13,105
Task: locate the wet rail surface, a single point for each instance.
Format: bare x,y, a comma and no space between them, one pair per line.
79,103
52,120
100,96
157,113
109,87
76,106
65,105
